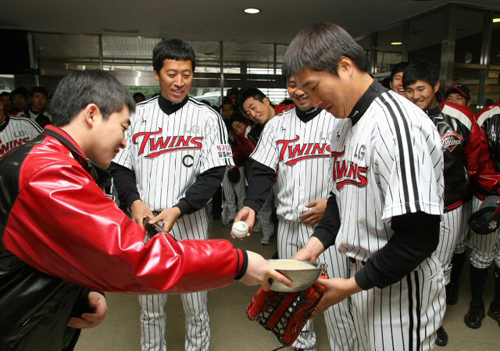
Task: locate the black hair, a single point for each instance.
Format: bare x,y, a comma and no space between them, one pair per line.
4,93
400,67
136,95
320,48
238,118
19,91
41,90
425,71
75,91
173,49
251,92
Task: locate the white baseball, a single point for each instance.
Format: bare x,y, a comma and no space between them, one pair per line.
240,229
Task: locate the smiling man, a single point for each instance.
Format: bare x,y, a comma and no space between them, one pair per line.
385,208
174,162
294,153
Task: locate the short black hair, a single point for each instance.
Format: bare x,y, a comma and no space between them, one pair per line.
400,67
75,91
320,48
19,91
425,71
4,93
141,95
41,90
246,93
173,49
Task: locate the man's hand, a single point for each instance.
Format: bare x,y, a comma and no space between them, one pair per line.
89,320
310,251
337,289
140,211
259,272
316,212
246,215
168,217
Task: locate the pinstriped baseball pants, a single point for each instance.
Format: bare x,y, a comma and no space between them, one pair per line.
292,236
404,315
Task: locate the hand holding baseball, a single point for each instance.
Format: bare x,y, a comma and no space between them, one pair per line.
247,216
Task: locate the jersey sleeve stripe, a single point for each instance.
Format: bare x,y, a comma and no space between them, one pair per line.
410,188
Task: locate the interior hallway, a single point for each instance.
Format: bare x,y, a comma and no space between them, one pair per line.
232,331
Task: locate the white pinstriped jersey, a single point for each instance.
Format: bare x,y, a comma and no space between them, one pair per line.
16,131
389,163
168,152
299,152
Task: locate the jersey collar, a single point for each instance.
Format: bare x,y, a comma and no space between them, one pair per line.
306,116
5,122
169,107
374,90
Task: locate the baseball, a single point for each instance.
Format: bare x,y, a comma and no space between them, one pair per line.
240,229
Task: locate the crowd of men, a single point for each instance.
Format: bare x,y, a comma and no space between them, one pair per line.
377,182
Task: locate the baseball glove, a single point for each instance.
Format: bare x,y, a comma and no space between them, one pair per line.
285,314
487,218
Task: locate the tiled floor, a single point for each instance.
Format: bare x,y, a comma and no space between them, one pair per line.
231,331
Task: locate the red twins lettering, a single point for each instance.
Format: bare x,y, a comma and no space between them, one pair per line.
159,145
347,172
4,148
303,151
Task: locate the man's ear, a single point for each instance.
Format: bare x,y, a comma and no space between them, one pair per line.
346,65
91,113
157,75
266,101
437,86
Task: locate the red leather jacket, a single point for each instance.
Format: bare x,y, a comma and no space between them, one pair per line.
60,233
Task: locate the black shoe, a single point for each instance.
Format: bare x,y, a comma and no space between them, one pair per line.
442,337
475,315
494,311
451,294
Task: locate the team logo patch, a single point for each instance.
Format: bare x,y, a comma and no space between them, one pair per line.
295,152
346,172
451,140
153,144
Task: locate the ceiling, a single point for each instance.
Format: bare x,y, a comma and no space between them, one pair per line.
216,20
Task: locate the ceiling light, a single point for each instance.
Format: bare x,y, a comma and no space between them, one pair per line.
397,43
251,11
496,20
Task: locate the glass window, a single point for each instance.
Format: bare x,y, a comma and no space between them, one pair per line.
469,36
390,48
364,42
492,91
424,38
495,41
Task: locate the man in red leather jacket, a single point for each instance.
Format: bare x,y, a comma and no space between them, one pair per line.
62,240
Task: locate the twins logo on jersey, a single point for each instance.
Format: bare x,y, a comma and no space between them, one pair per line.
155,145
4,148
304,151
451,140
348,172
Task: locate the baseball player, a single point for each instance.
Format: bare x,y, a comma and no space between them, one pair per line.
296,146
177,150
485,248
15,131
258,108
464,151
459,94
387,196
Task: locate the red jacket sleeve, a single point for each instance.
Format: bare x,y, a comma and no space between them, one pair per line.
62,224
477,158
